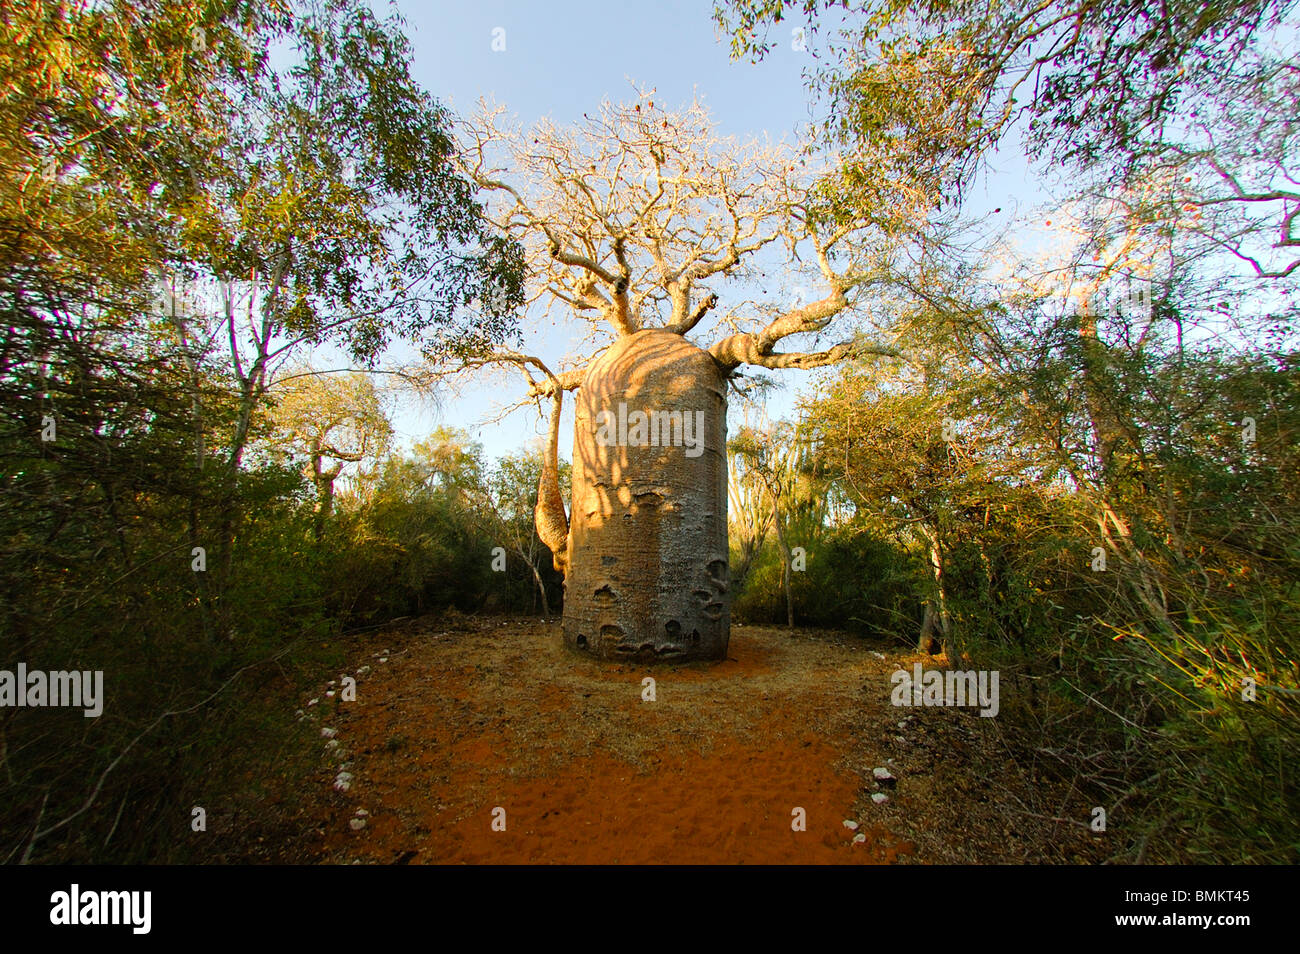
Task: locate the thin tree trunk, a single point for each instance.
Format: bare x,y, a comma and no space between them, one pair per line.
325,492
785,567
935,555
926,642
541,589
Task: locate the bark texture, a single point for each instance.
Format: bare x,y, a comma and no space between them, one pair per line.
647,549
548,515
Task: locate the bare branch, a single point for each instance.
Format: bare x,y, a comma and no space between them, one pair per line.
702,309
623,215
743,349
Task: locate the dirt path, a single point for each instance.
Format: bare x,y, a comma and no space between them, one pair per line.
457,718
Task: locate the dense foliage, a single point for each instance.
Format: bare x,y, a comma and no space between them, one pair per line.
1087,459
179,217
1102,503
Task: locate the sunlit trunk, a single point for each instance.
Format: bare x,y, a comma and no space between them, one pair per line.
936,618
647,550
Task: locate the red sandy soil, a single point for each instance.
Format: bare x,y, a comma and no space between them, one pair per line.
468,715
586,770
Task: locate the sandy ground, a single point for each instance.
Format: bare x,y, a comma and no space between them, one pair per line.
467,726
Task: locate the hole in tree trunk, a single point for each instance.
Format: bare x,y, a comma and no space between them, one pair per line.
668,486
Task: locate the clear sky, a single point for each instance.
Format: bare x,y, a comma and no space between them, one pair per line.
560,59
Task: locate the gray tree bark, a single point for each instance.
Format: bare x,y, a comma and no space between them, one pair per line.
647,547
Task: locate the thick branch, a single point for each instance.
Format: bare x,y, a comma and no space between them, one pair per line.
622,316
546,387
736,350
811,317
569,380
684,326
578,261
549,516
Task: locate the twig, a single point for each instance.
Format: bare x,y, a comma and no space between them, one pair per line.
39,816
117,819
39,833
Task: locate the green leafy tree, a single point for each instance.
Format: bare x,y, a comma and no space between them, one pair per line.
338,216
778,463
505,510
167,196
332,421
945,80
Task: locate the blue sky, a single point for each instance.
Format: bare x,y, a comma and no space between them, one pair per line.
560,60
562,57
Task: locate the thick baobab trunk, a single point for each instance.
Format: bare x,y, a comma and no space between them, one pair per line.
647,548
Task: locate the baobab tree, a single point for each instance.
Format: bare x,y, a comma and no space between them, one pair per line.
637,221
